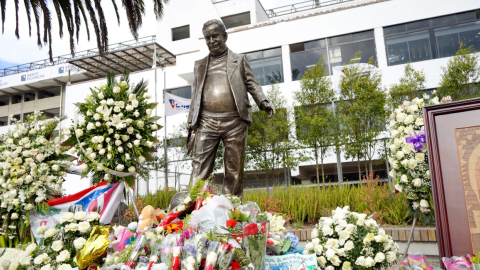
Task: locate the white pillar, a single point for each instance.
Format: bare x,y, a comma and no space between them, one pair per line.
286,63
381,48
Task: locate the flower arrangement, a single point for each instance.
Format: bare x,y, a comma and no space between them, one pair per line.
59,246
350,240
255,242
276,222
408,158
114,133
32,167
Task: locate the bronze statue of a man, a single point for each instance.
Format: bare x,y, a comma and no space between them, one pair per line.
221,110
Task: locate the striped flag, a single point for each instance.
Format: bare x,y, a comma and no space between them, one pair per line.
101,196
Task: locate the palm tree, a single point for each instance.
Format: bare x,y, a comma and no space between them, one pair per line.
74,12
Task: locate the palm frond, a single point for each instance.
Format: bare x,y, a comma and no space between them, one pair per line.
36,14
27,9
79,5
47,27
3,4
17,34
66,7
158,8
59,17
103,26
116,11
90,10
131,11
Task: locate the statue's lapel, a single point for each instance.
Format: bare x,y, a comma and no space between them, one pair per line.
202,71
231,63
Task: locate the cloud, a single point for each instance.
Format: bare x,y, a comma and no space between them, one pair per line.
25,49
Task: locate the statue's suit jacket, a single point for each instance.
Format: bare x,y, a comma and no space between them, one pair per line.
241,80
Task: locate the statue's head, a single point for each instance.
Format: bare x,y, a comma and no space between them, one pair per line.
215,36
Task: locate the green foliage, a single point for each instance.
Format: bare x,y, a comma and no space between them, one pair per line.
409,87
196,189
160,199
461,76
362,111
315,123
307,204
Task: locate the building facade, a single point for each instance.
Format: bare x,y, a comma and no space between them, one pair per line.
282,43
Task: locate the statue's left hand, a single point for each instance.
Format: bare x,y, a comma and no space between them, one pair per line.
265,106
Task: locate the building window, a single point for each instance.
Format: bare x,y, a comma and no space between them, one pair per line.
305,55
4,101
432,38
184,92
267,65
16,99
47,93
449,38
181,32
411,47
343,54
236,20
29,97
3,121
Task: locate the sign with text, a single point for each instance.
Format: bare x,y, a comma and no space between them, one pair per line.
291,262
175,104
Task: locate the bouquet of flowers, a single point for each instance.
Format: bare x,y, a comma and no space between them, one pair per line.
348,237
59,246
408,158
255,243
32,167
225,255
114,133
276,222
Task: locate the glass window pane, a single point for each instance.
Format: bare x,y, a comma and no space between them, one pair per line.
394,29
466,16
321,43
254,55
411,47
181,32
184,92
302,61
362,35
272,52
4,100
341,55
418,25
340,40
299,47
268,71
477,12
449,38
445,20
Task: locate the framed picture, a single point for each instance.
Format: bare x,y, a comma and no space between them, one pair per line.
453,139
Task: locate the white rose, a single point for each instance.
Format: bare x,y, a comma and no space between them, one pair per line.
399,188
64,267
393,173
309,246
136,113
330,253
84,167
380,257
314,233
129,108
147,95
417,182
419,122
360,261
90,126
83,227
46,267
116,89
101,152
141,159
41,230
40,157
55,167
132,97
408,120
424,204
404,178
120,167
140,124
327,230
71,227
63,256
93,216
116,109
31,248
79,243
132,169
369,262
412,163
211,257
400,117
400,154
130,130
14,216
80,215
412,108
349,245
136,142
38,259
336,260
420,157
347,266
318,249
329,268
135,103
391,256
150,235
149,144
149,112
50,233
101,96
57,245
181,208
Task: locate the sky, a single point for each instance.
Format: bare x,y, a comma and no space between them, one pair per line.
15,51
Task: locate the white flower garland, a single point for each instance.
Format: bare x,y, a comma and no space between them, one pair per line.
32,168
410,169
350,240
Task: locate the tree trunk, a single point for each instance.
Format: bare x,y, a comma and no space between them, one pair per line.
316,165
359,169
371,166
323,174
366,169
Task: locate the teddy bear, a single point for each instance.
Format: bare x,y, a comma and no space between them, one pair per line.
147,217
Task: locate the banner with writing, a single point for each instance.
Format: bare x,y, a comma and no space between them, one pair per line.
291,262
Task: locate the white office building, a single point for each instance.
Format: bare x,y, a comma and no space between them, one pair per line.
280,43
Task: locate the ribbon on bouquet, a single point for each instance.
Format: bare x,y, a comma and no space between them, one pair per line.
417,140
113,172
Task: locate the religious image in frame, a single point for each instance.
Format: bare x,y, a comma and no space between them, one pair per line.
468,142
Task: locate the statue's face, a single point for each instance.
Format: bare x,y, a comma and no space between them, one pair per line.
216,40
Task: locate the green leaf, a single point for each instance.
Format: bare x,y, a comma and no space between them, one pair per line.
154,118
151,105
130,180
70,141
286,246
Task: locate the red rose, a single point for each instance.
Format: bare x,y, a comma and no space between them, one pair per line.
236,266
264,227
209,267
251,229
231,223
270,242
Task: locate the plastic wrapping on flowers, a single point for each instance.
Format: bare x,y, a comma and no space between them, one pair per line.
350,240
408,152
113,133
32,169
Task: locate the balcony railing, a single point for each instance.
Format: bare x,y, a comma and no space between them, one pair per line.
302,6
68,57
